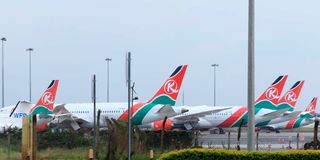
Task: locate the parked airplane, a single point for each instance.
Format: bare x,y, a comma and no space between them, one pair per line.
11,116
78,115
264,111
289,100
305,118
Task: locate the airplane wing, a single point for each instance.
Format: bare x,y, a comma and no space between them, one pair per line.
307,115
293,114
271,115
194,117
309,120
62,117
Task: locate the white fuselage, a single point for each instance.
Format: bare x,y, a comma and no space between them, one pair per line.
84,111
6,121
224,119
231,118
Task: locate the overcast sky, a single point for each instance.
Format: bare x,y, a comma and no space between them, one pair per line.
72,38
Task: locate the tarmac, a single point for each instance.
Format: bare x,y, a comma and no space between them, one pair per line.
267,141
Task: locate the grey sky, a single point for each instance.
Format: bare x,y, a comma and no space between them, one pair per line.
72,38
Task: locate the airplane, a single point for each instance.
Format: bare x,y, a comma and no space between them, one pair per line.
11,116
289,100
264,111
305,118
266,108
80,115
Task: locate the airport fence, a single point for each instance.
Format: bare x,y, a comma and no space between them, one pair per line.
112,143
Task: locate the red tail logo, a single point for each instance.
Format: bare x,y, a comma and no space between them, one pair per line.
47,98
312,106
290,97
46,101
272,93
171,87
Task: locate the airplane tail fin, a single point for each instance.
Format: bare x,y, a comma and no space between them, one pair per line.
46,101
273,93
21,109
312,106
169,91
292,95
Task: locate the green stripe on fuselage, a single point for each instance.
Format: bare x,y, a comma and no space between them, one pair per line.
245,118
308,115
263,123
139,116
298,122
265,104
269,105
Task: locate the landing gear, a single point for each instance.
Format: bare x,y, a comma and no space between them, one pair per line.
217,131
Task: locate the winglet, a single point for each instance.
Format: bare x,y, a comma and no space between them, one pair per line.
169,91
292,95
46,101
274,91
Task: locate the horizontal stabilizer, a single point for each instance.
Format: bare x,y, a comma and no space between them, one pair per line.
169,110
276,113
165,109
60,109
309,120
290,116
294,114
196,115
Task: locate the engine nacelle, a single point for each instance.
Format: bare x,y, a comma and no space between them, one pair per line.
167,126
180,110
156,126
41,127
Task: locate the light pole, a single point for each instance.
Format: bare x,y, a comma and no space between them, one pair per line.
129,102
251,124
3,39
94,116
108,60
214,82
29,50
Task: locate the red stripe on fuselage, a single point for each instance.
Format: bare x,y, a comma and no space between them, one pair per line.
291,123
233,118
124,115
